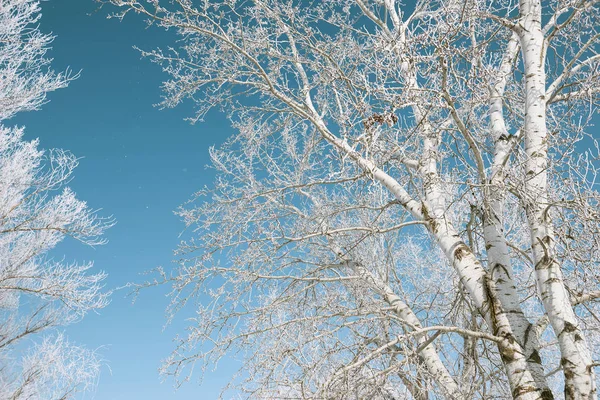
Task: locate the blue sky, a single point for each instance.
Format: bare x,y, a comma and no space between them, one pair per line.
138,163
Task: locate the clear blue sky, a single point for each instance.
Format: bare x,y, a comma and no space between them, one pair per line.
138,164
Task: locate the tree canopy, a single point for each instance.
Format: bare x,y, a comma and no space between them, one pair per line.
38,293
410,205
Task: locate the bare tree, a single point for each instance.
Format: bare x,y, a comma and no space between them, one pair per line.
410,206
51,369
37,211
26,72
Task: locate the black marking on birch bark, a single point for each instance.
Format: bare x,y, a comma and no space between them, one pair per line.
567,365
534,357
491,304
433,225
499,266
461,251
544,263
552,280
569,328
526,335
521,390
569,391
547,394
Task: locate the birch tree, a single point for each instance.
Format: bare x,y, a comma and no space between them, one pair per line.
409,207
39,293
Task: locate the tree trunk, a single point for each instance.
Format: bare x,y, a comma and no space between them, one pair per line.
499,262
576,360
429,355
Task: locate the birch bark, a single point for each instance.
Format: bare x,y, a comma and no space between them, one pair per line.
428,354
499,262
576,359
494,292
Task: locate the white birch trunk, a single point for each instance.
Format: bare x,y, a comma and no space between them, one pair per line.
524,383
576,359
499,262
429,355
